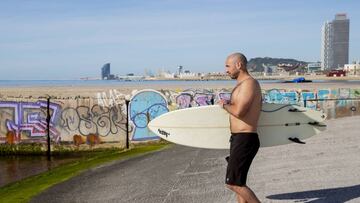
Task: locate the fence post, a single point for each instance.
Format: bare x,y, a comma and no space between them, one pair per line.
127,123
48,153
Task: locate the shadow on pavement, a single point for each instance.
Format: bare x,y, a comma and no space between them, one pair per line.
342,194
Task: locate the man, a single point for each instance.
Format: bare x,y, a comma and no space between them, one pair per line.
244,109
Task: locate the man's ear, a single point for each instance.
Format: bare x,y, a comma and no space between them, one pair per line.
238,65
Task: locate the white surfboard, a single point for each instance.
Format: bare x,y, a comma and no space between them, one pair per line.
208,126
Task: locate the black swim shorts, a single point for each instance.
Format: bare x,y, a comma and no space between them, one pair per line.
243,148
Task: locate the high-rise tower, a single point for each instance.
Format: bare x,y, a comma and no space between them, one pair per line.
105,71
335,43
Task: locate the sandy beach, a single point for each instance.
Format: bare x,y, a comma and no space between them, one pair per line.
128,88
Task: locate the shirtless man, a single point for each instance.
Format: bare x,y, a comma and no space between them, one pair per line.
244,109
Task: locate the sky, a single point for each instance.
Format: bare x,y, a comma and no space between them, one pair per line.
70,39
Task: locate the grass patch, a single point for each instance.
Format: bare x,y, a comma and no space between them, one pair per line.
22,149
24,190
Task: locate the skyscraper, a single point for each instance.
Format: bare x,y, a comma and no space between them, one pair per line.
326,49
335,43
105,71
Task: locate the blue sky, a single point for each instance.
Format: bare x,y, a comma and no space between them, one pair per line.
71,39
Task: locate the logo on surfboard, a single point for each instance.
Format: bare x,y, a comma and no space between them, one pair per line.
163,132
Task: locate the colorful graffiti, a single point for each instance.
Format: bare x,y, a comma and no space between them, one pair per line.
192,98
184,100
281,96
203,99
28,118
187,99
97,120
88,121
323,94
226,96
144,106
170,96
70,121
355,93
305,96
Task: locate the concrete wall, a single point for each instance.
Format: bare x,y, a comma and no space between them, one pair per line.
90,123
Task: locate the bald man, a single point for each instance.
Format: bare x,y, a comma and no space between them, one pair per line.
244,109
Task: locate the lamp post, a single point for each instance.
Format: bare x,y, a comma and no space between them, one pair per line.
127,102
48,152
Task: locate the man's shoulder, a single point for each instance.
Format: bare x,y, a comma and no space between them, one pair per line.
253,80
250,82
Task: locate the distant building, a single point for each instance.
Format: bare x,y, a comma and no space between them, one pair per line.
313,67
266,68
105,72
167,75
283,67
187,75
216,74
352,69
326,49
335,43
180,69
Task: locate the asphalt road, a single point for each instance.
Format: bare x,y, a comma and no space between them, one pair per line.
326,169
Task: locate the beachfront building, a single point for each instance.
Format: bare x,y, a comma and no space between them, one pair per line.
214,76
313,67
130,77
335,43
187,75
180,70
167,75
326,55
105,71
352,69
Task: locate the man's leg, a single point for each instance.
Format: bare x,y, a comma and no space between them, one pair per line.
245,193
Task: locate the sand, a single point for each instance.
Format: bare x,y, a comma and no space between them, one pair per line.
92,91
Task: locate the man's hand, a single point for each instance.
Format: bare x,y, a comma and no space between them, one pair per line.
222,102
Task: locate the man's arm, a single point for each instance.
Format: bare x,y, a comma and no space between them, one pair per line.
242,99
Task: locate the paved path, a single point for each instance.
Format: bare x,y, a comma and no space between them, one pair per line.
326,169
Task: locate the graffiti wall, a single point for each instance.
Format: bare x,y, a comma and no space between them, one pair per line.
80,121
91,121
335,102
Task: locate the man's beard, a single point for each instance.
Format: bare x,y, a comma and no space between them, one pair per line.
235,75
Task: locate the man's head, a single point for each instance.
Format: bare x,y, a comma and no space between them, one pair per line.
235,64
